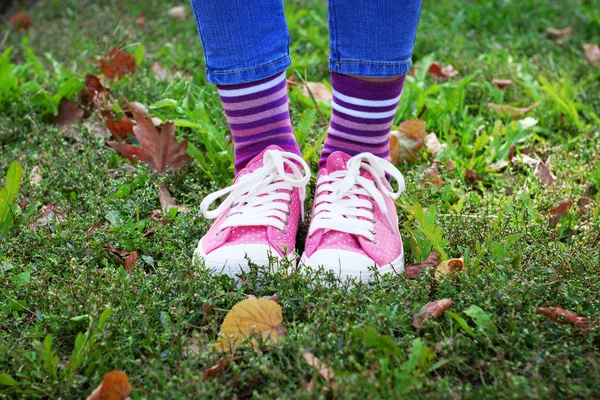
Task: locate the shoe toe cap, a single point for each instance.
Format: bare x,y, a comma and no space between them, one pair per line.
344,263
233,259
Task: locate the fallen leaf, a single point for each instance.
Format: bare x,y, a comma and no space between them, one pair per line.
433,174
35,177
441,72
512,112
502,83
69,114
430,312
592,54
319,91
450,166
586,200
47,212
561,210
139,107
167,201
120,129
407,141
178,12
433,144
527,123
472,177
118,64
414,270
130,261
140,20
559,32
159,150
247,319
98,129
114,386
542,171
567,317
449,267
93,86
159,72
324,371
119,253
20,21
218,367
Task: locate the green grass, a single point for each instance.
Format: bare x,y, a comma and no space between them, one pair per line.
58,279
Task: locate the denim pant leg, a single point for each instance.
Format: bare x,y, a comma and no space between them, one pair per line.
243,40
372,38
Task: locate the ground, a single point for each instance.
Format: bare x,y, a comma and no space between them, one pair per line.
58,276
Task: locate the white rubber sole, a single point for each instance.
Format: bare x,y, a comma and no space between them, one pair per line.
233,260
350,265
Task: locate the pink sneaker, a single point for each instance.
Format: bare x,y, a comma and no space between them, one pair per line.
260,216
354,224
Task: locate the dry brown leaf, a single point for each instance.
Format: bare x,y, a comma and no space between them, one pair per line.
20,21
441,72
472,177
219,367
130,261
567,317
160,150
407,141
114,386
167,201
178,12
561,210
592,54
319,91
414,270
431,311
69,114
450,166
433,144
502,83
586,200
118,64
433,174
248,319
140,20
449,267
35,177
120,129
542,171
43,216
324,371
559,32
512,112
159,71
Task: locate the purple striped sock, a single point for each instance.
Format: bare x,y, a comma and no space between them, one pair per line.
362,116
258,116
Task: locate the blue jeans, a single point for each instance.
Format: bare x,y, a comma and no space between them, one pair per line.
248,40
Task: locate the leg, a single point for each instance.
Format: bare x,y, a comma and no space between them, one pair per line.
354,224
371,41
246,48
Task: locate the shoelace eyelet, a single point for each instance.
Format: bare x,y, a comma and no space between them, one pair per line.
374,241
284,230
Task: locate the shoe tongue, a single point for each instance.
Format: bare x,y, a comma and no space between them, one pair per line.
257,161
337,161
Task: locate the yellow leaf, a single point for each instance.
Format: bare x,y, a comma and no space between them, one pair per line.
249,319
449,267
114,386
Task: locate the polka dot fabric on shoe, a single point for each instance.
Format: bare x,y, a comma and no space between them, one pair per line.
354,226
259,218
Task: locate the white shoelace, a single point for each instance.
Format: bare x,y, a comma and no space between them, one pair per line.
342,209
253,198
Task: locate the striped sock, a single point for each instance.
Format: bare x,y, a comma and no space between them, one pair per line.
258,116
363,113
